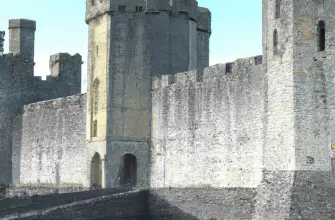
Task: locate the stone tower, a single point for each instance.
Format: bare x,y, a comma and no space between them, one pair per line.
129,42
298,45
22,37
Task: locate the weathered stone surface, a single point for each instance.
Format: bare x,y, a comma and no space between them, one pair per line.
253,139
19,87
49,143
201,203
207,127
125,50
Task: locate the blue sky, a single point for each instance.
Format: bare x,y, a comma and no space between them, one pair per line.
236,28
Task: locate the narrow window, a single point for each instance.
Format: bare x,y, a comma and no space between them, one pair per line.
92,2
321,36
95,128
95,96
122,8
275,41
97,50
278,8
139,8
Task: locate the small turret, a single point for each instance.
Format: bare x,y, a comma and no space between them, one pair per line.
68,69
204,19
22,37
203,35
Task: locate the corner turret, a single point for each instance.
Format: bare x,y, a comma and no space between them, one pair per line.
22,37
203,35
68,69
204,20
96,8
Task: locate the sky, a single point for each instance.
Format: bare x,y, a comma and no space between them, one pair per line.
236,29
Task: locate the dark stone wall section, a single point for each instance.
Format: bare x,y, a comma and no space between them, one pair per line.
28,205
194,204
296,195
310,198
158,204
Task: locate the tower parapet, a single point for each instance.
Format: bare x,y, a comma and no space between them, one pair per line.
188,6
95,8
66,69
203,34
204,19
158,5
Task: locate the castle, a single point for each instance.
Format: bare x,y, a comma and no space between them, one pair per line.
252,139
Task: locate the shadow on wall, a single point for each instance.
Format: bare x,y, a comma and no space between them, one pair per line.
120,206
313,195
16,148
161,209
201,203
301,195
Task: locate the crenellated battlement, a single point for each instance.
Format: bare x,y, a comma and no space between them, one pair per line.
17,66
240,66
18,84
95,8
60,66
59,62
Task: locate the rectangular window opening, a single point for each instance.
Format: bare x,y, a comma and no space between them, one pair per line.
139,8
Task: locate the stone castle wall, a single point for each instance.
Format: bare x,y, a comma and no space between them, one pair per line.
207,128
19,86
49,143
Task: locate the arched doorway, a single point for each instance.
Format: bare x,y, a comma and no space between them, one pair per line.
96,171
129,170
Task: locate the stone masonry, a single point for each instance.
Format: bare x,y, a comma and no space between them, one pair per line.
251,139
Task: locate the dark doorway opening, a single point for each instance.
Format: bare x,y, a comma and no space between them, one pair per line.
96,171
129,170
